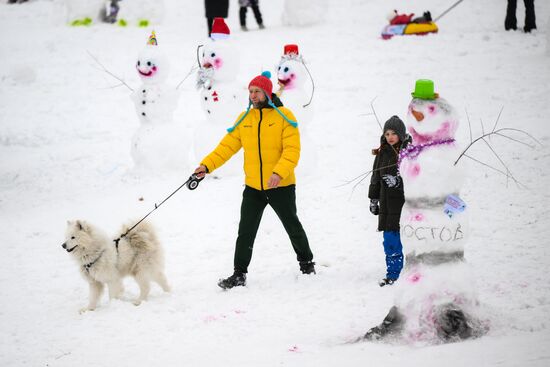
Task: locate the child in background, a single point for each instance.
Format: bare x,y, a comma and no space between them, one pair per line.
244,4
387,196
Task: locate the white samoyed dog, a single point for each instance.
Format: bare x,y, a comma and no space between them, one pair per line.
138,254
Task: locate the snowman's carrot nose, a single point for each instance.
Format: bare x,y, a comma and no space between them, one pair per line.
419,116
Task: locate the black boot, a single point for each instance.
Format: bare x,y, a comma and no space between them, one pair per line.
307,267
237,279
386,281
510,24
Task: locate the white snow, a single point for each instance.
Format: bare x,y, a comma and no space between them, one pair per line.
64,147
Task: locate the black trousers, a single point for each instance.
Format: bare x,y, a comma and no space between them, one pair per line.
530,21
255,9
283,202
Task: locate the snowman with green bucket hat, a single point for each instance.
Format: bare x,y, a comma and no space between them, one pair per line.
435,299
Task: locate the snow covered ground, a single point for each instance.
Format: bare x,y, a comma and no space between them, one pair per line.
65,154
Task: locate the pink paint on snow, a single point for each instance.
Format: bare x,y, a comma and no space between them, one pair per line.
294,348
211,318
416,217
414,277
413,170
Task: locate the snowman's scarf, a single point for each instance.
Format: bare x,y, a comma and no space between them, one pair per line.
413,151
204,77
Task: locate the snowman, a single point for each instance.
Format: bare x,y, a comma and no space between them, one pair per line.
292,76
222,99
159,144
141,13
435,296
304,12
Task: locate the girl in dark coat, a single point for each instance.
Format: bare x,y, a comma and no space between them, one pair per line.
387,196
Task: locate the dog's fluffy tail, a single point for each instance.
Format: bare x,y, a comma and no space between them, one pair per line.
142,237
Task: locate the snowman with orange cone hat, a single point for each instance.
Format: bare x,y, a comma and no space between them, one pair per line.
160,144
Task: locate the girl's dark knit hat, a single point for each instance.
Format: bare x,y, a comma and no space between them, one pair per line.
396,124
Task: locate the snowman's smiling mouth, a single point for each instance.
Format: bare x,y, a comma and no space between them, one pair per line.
149,73
207,65
284,81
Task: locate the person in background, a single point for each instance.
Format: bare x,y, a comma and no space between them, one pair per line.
215,9
244,4
511,22
269,135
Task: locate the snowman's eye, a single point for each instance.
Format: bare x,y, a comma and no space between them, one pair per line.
203,54
148,63
286,69
213,54
279,68
431,108
139,63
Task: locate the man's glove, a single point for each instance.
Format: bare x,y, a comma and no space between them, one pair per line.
391,181
374,207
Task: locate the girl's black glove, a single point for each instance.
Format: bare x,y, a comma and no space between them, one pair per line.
374,207
391,181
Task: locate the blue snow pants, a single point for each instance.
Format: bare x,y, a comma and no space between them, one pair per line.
394,254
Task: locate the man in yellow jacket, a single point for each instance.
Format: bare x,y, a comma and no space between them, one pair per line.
270,138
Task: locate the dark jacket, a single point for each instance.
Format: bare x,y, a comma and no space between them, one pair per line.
216,8
391,198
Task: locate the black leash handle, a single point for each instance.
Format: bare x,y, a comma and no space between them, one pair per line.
192,183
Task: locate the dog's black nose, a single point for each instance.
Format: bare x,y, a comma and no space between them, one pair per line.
64,245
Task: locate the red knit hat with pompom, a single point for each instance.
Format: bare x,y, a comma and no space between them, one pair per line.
263,82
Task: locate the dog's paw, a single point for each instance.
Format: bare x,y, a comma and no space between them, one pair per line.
85,309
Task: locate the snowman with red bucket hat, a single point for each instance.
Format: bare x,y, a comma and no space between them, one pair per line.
294,92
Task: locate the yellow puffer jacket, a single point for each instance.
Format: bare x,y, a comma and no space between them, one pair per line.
271,145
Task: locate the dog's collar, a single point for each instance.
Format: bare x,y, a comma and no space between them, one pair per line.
89,265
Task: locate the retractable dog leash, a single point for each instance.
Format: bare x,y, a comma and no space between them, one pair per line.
192,183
